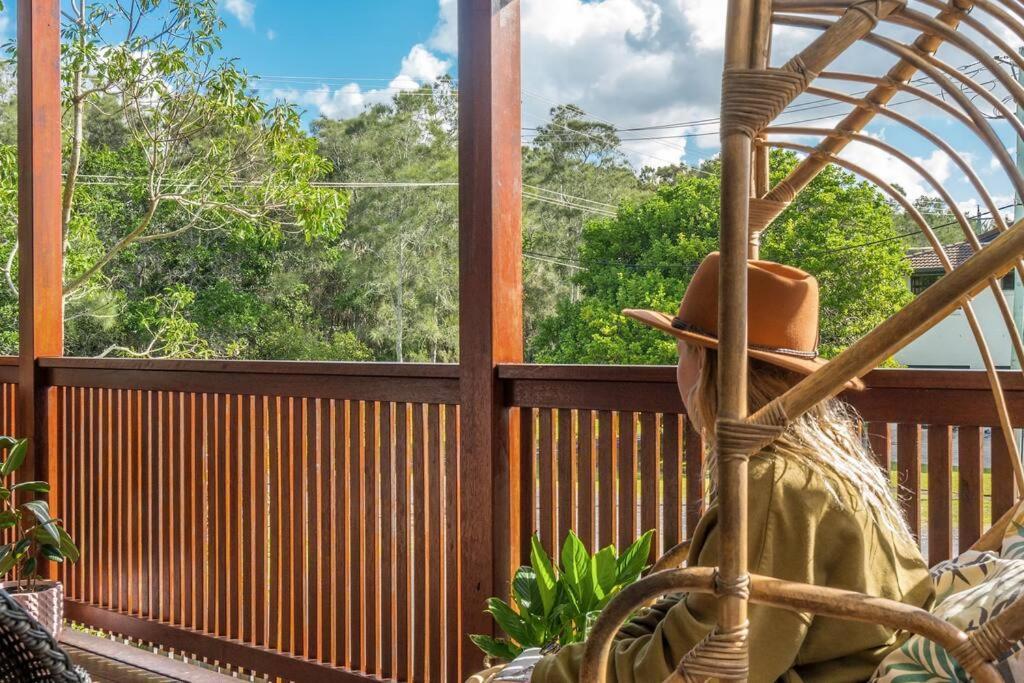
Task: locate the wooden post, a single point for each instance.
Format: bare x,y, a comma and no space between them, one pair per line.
490,305
40,248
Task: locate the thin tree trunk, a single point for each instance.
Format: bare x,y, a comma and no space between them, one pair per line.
80,281
78,126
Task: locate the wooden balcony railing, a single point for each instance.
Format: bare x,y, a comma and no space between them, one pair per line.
300,520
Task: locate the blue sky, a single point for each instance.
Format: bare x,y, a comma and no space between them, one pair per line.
327,40
634,63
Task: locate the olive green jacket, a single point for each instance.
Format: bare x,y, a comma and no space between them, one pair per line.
798,532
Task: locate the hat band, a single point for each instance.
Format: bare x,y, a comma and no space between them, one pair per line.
687,327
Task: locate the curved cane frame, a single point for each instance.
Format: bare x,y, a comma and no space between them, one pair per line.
753,96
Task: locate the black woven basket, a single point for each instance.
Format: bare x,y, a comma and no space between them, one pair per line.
28,653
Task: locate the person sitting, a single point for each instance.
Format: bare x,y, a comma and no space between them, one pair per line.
820,509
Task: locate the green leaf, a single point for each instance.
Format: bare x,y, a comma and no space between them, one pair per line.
524,588
52,553
67,546
37,486
576,575
8,518
499,649
632,562
14,458
29,566
605,570
7,558
41,510
547,584
8,442
509,621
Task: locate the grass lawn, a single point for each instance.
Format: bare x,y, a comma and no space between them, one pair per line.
986,489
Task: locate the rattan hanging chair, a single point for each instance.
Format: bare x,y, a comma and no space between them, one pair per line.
753,95
28,653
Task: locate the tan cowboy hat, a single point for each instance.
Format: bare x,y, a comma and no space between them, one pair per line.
782,314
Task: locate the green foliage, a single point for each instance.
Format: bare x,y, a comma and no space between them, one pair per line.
35,537
558,605
645,256
168,148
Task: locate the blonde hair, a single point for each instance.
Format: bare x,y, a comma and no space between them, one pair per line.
825,439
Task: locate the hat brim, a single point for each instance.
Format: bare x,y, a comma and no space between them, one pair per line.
663,322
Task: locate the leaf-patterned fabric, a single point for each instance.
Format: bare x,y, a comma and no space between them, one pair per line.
969,590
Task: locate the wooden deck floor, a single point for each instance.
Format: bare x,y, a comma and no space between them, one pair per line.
108,661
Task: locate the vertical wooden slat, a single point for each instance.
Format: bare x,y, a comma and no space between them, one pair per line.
693,446
587,477
311,506
298,494
246,529
671,474
199,541
164,503
108,479
146,478
181,551
277,534
189,523
339,421
403,641
528,483
940,493
355,558
387,537
93,501
223,513
548,525
453,606
322,591
881,443
433,549
419,535
1003,484
649,480
627,480
606,478
908,466
971,472
565,480
261,532
371,535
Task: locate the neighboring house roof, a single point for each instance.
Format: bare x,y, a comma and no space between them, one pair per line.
925,259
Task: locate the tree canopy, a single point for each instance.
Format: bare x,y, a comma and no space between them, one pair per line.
645,256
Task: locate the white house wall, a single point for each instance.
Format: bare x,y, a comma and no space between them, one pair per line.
950,344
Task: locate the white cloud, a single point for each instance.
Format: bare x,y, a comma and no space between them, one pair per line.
271,34
445,37
418,67
242,10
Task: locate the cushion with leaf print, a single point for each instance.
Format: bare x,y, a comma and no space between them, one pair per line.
969,590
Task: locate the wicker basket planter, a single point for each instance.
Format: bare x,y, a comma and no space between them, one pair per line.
45,604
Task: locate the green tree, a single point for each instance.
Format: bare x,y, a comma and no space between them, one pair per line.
645,256
394,279
573,171
166,139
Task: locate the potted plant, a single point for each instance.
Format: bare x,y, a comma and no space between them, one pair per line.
33,539
558,605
